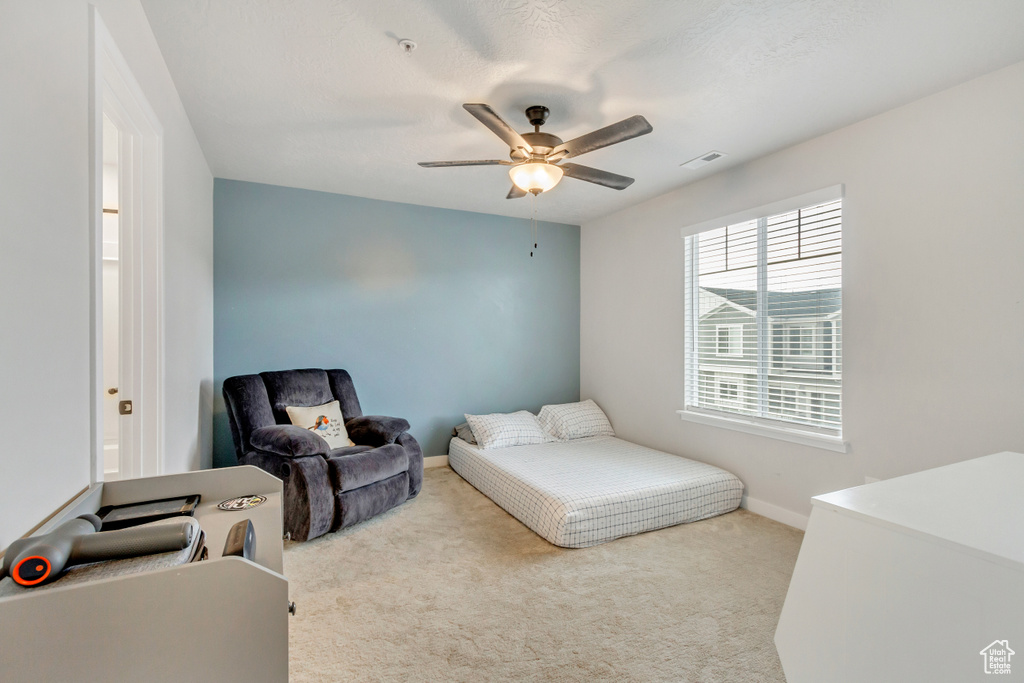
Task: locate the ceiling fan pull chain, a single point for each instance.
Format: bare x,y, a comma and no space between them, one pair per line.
533,221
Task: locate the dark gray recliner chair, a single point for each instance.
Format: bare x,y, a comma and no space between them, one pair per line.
324,489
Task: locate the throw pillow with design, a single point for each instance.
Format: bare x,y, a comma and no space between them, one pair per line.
325,420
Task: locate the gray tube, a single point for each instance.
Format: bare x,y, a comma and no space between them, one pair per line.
132,542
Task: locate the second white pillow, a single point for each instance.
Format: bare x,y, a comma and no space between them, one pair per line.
575,420
500,430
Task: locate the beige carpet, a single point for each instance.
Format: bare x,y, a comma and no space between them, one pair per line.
448,587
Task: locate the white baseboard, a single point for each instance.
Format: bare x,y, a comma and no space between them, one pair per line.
435,461
779,514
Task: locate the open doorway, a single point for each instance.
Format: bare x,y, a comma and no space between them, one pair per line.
127,244
114,323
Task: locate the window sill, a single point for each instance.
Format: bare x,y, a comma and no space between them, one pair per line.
748,426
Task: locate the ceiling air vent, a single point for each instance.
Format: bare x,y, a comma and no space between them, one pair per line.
703,159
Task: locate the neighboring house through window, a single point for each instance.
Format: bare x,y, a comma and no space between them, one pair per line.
764,319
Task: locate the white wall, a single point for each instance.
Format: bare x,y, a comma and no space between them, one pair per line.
44,225
933,319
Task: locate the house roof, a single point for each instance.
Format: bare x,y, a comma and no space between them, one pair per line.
815,302
999,645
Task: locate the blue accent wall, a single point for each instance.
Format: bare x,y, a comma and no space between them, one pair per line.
434,312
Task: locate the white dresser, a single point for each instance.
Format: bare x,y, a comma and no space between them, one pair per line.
910,579
225,619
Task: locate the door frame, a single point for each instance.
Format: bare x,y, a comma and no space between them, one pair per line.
113,86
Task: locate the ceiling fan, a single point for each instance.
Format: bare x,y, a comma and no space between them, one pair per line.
536,158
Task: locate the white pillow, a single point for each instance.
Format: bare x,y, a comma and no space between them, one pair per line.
575,420
499,430
325,420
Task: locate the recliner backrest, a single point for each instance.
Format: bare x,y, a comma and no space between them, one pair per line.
255,401
296,388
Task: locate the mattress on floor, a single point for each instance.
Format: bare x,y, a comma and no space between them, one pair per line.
588,491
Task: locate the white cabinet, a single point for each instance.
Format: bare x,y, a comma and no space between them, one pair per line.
224,619
909,579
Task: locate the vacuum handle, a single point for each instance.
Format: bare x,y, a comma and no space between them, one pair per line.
40,559
132,542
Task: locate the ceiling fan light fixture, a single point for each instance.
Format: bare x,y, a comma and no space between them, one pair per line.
535,156
535,177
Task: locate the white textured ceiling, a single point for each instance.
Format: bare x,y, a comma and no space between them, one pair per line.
317,94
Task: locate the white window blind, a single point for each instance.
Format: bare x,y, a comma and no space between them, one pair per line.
764,318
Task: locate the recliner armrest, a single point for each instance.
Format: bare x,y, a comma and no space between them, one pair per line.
376,430
289,441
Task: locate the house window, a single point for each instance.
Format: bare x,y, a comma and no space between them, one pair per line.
799,339
780,274
730,340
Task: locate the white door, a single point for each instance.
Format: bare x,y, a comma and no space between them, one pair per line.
117,306
127,236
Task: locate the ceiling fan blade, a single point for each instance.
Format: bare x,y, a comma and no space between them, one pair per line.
593,175
626,129
474,162
516,192
487,116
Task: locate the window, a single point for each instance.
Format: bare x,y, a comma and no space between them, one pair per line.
728,391
781,274
730,340
799,338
